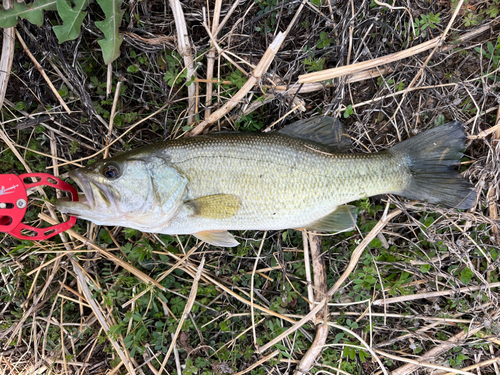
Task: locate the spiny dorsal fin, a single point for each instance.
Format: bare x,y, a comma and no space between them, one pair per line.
217,238
325,130
342,219
217,206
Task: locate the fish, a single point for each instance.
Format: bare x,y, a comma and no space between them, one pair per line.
300,177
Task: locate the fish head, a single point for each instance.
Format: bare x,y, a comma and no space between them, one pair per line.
138,192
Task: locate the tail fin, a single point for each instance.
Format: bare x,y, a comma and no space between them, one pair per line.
432,157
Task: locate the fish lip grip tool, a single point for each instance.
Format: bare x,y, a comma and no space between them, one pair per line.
14,203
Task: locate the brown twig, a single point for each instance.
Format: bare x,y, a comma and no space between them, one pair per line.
307,265
436,351
491,361
185,49
118,138
252,282
140,275
413,297
440,40
7,55
211,59
187,309
154,41
260,69
467,36
42,72
112,117
320,288
317,86
259,362
350,267
420,363
494,129
495,364
493,192
98,313
328,74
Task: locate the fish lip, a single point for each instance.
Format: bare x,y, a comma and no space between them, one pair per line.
84,184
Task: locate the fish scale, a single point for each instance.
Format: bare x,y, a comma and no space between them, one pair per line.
283,182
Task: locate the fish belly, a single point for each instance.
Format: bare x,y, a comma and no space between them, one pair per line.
281,182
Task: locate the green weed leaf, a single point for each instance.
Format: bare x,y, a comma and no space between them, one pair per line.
490,47
324,41
492,11
338,337
430,21
348,111
314,65
237,79
112,38
466,275
32,12
425,268
72,19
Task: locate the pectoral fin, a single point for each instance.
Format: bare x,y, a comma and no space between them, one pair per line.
217,206
342,219
217,238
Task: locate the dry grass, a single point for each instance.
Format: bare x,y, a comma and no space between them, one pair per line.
414,289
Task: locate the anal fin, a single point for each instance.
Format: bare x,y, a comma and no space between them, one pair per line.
217,238
342,219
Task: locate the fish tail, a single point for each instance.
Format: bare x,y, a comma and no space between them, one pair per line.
431,157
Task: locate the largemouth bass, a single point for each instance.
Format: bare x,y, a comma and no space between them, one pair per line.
300,177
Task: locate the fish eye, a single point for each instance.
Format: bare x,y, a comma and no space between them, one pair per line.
111,171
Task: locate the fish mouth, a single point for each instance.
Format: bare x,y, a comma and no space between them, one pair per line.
85,201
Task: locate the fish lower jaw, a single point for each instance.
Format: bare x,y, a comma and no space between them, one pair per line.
67,206
82,199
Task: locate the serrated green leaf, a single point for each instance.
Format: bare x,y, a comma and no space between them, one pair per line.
72,19
112,41
32,12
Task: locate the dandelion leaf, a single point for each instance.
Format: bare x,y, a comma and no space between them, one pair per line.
72,18
32,12
110,45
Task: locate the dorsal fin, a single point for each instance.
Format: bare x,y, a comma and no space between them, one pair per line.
326,130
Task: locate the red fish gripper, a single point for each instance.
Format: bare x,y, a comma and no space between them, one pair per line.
14,203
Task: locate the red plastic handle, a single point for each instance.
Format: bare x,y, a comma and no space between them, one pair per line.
14,202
